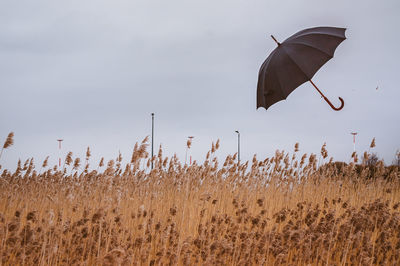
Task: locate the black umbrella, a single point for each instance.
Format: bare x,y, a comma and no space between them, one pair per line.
295,61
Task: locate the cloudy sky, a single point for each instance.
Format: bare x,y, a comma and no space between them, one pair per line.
92,72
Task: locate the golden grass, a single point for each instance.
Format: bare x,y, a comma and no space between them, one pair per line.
270,212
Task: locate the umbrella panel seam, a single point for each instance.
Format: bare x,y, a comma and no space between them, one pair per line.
301,43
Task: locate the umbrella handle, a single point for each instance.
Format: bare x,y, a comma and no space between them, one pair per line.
326,99
333,107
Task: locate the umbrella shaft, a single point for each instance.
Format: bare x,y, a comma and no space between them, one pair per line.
315,86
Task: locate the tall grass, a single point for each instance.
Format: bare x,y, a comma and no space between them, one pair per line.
287,209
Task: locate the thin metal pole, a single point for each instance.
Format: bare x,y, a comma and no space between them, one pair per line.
237,131
59,153
152,139
354,140
239,148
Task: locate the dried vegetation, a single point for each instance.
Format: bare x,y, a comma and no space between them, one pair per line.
281,210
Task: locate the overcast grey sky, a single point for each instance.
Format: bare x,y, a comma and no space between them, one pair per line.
91,72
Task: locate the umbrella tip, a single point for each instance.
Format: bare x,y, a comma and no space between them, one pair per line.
278,43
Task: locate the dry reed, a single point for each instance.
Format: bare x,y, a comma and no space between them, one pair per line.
274,211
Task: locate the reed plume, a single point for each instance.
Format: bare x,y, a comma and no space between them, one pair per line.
8,143
372,143
44,165
77,163
296,147
68,158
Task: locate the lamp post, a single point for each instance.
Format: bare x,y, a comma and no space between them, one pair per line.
152,139
354,140
238,133
59,154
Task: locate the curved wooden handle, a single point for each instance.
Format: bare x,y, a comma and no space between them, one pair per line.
333,107
326,99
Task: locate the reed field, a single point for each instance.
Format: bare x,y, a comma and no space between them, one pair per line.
290,209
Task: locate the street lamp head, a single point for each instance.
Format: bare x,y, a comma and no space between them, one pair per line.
237,131
152,114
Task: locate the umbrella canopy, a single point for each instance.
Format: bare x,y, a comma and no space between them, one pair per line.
295,61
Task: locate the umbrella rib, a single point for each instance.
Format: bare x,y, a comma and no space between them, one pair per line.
291,59
268,59
280,90
316,48
316,33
